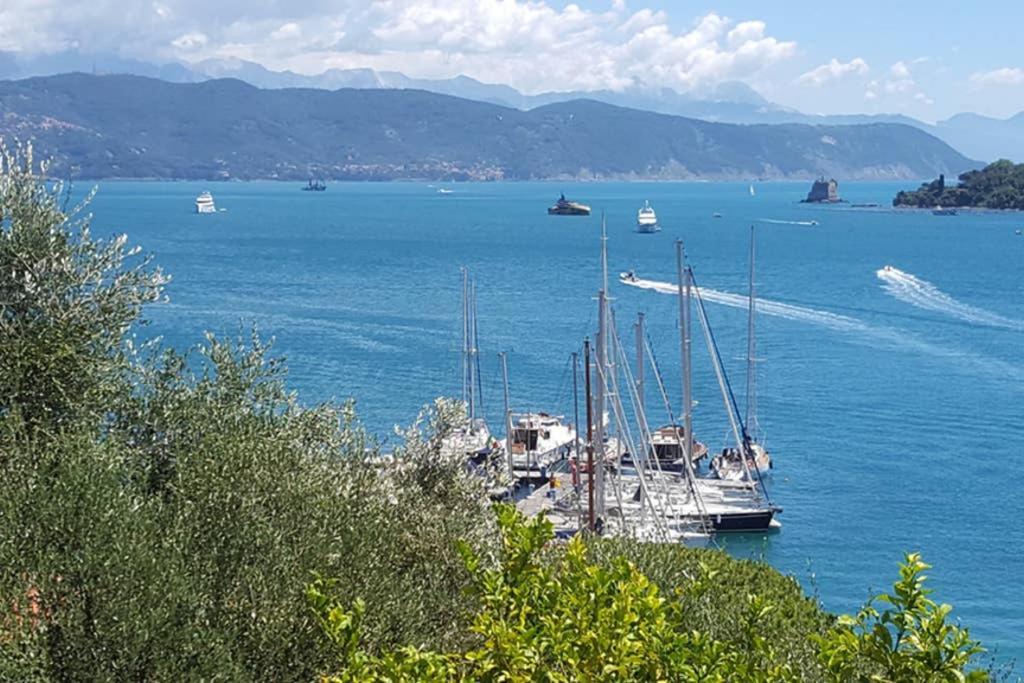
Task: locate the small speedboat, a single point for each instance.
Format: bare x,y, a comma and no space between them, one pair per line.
204,203
628,276
716,215
444,190
939,211
646,219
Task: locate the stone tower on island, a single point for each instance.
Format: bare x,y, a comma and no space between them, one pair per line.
824,192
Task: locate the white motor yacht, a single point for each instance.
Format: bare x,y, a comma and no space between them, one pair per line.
538,440
204,203
646,219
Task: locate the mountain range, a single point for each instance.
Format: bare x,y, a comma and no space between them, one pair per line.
978,137
132,126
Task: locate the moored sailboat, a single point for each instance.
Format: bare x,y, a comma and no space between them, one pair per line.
473,438
751,459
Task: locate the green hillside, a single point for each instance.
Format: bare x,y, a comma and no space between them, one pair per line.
130,126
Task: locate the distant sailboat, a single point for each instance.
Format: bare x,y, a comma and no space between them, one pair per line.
752,193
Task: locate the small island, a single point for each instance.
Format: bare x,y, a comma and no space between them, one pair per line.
823,192
1000,185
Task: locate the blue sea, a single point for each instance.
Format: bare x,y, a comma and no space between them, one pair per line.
893,405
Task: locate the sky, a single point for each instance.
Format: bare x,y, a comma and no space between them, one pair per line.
927,59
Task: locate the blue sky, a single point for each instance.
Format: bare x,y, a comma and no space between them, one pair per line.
925,59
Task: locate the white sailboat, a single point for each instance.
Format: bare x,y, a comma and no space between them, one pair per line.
472,438
752,460
752,193
646,219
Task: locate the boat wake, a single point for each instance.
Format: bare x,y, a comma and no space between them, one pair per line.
780,222
923,294
854,327
777,309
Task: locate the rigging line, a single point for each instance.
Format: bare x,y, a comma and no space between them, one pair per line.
563,386
618,350
626,434
691,474
476,354
745,450
659,478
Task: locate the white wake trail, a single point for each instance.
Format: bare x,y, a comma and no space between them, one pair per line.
841,323
780,222
766,306
923,294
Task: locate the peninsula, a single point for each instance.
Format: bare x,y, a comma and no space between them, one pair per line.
1000,185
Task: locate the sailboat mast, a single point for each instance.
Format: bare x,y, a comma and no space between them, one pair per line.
685,351
640,361
751,417
599,398
603,367
576,406
508,417
590,437
465,336
604,254
472,354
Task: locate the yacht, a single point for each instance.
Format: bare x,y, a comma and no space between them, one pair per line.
667,448
204,203
564,207
538,440
646,219
940,211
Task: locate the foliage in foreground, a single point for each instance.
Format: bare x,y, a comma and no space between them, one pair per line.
161,513
554,615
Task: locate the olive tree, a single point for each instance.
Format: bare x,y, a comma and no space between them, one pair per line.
67,299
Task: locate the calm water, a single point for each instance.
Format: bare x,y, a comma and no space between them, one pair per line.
893,410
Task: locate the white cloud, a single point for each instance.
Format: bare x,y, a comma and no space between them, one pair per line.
531,44
921,97
834,70
190,41
287,31
899,86
870,95
1004,76
900,70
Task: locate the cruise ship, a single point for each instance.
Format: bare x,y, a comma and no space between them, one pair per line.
646,219
204,203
